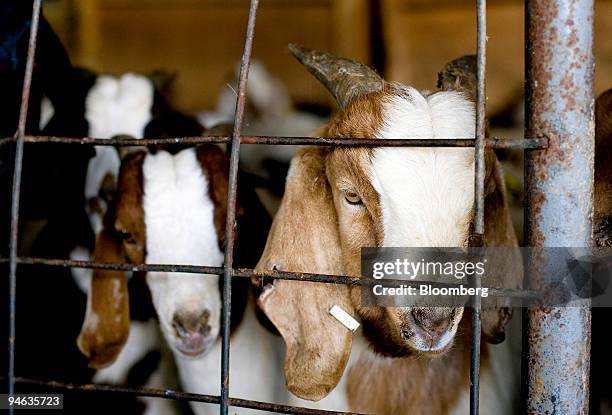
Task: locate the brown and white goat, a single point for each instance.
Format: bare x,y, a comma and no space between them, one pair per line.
338,200
169,209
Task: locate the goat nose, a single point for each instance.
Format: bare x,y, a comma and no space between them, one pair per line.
432,321
191,324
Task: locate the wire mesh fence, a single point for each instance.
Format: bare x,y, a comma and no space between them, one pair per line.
227,271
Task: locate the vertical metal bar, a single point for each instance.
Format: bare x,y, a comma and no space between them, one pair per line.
479,159
559,193
230,226
479,145
14,240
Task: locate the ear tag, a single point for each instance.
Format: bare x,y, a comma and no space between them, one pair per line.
343,317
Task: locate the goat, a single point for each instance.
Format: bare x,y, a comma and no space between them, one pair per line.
133,105
171,208
339,200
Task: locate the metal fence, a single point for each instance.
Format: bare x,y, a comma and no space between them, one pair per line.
559,190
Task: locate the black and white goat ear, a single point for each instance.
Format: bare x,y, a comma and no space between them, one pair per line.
106,325
304,233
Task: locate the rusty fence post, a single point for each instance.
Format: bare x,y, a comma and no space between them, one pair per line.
559,193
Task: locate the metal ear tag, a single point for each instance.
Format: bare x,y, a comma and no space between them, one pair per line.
343,317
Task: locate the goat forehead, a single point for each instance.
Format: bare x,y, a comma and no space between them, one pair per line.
178,211
116,106
426,194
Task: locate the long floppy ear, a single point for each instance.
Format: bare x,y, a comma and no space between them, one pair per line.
603,170
460,75
107,320
304,238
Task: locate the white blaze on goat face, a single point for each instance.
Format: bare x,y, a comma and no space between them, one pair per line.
426,194
180,228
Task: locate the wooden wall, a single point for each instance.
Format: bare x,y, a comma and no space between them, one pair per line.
202,40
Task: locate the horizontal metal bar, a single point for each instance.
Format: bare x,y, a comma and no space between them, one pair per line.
250,273
495,142
179,396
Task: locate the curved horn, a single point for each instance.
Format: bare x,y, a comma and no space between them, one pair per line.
344,78
459,75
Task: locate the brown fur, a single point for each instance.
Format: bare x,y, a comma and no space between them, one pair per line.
415,385
107,322
216,167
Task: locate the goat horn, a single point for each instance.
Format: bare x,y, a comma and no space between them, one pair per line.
459,75
344,78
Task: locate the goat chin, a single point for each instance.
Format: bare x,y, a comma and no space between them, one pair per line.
256,370
499,380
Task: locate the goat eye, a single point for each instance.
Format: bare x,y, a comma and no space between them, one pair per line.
352,198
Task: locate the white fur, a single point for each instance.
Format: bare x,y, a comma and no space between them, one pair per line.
180,229
81,276
47,110
119,105
426,194
255,368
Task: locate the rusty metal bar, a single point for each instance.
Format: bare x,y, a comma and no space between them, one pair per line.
559,194
179,396
479,199
494,142
260,274
14,238
230,225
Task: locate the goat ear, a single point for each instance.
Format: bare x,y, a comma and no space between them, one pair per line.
460,75
304,235
107,319
505,269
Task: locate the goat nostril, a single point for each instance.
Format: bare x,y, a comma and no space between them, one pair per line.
206,330
179,326
432,323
